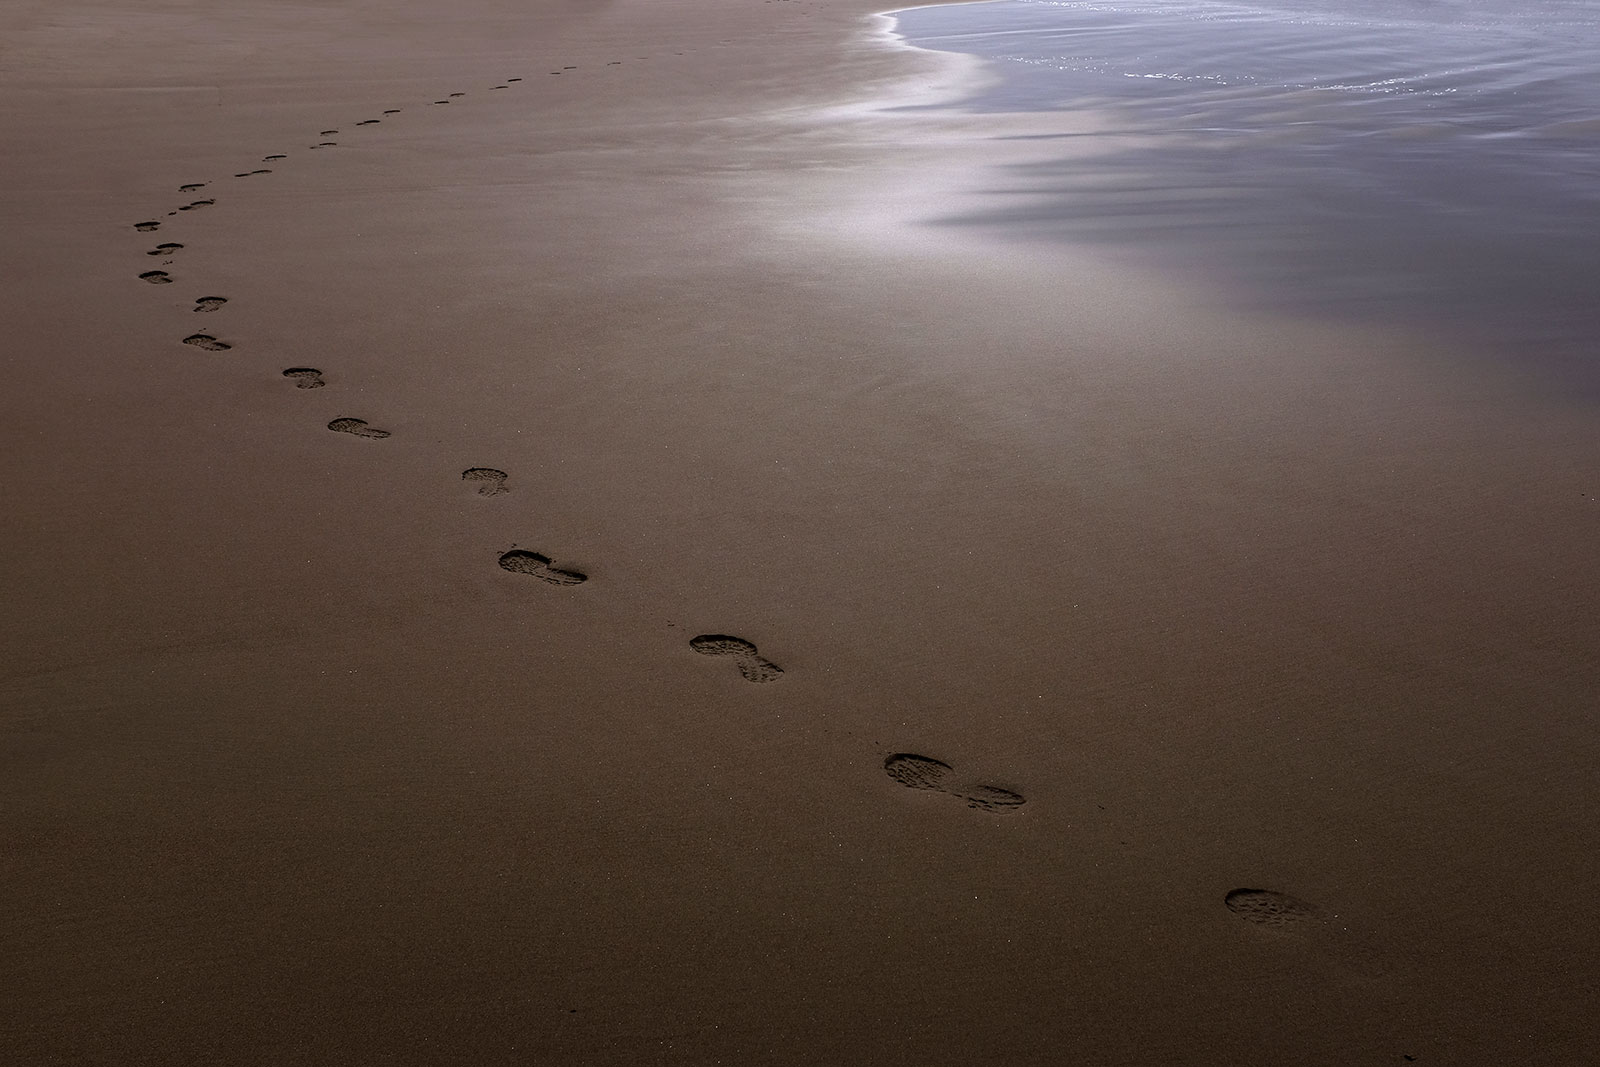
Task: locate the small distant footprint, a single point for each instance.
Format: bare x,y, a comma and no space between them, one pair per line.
157,277
925,772
489,481
513,79
1267,907
251,173
753,667
441,101
269,159
146,227
191,187
210,303
196,204
392,111
306,378
458,94
358,427
327,133
369,122
499,86
532,563
164,249
325,144
207,342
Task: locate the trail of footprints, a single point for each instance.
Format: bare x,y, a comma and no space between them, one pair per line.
1264,908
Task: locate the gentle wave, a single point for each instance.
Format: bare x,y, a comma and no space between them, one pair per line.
1407,158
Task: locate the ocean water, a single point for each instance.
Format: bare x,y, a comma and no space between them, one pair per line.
1432,162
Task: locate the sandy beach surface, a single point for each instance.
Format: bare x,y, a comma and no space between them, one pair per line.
1096,673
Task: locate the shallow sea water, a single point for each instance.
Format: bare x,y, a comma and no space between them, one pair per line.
1429,162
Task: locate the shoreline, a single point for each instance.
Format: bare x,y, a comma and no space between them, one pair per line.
300,766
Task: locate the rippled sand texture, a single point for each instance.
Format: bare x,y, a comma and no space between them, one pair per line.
525,545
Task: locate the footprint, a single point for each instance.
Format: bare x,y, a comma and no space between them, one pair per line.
520,562
210,303
358,427
305,378
157,277
489,481
252,173
369,122
197,203
207,342
269,159
146,227
441,101
325,144
925,772
499,86
392,111
327,133
458,94
191,187
992,798
164,249
513,79
1266,907
753,667
917,772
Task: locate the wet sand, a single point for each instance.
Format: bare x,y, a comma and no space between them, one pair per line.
1134,680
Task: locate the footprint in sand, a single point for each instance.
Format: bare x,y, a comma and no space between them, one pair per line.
532,563
358,427
251,173
165,249
458,94
207,342
499,86
327,133
441,101
489,481
925,772
369,122
305,378
269,159
191,187
753,667
392,111
513,79
210,303
1267,907
196,204
146,227
157,277
325,144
